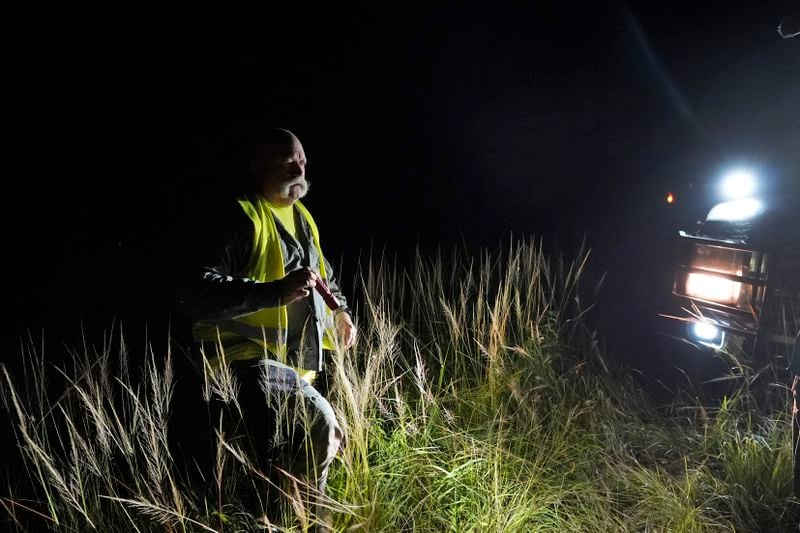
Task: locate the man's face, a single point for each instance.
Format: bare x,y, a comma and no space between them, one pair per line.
282,173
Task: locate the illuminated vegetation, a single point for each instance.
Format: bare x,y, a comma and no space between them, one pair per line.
476,400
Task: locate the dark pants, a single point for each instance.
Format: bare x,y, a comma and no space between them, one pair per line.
285,427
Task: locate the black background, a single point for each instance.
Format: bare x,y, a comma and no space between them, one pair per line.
441,125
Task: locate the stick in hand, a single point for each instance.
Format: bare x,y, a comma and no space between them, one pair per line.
327,295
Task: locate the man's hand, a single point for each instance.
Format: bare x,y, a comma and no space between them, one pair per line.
346,328
297,284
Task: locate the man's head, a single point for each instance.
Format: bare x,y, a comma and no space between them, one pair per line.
278,167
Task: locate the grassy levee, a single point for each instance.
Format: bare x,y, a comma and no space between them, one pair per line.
476,399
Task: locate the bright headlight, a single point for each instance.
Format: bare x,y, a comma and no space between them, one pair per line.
708,285
708,334
713,288
738,183
705,331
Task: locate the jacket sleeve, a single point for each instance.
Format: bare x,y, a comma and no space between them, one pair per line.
214,286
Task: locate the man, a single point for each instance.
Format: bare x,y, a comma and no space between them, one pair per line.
255,310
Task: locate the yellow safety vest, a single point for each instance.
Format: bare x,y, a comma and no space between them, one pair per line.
265,328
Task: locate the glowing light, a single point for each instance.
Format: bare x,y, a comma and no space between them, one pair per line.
713,288
738,183
708,334
670,198
705,331
736,211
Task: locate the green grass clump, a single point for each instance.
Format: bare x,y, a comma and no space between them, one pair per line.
475,400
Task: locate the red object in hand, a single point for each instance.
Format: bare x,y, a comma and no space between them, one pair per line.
327,295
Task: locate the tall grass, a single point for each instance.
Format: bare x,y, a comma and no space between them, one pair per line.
476,399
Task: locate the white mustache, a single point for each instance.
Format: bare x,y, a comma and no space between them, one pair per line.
286,188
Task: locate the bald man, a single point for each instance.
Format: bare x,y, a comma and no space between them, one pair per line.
255,309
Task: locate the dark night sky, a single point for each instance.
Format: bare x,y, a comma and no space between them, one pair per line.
427,125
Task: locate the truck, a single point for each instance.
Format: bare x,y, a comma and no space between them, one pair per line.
736,284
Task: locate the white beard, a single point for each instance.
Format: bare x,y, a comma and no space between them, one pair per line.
294,190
